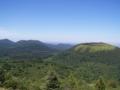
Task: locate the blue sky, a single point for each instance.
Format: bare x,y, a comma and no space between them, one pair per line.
69,21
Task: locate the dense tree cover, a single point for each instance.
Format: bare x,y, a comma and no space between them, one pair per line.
29,49
2,77
92,59
37,75
24,49
76,69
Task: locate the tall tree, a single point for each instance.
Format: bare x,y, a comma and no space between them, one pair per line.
72,83
52,81
100,85
2,76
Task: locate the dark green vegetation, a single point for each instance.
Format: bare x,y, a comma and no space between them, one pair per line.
96,58
28,49
88,66
24,49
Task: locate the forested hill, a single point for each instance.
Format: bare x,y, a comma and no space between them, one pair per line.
29,49
91,60
77,68
5,43
24,49
89,52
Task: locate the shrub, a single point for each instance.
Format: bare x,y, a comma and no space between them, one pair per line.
112,84
12,83
52,82
100,85
72,82
2,77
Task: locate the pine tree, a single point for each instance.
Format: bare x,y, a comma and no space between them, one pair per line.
100,85
52,82
2,76
72,82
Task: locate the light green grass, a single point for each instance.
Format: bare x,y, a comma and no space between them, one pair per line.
94,48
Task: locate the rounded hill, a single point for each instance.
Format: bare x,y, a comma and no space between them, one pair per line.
93,47
89,52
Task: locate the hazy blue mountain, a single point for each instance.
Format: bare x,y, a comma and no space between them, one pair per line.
24,49
118,45
6,43
61,46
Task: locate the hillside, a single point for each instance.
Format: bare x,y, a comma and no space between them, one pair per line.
5,43
24,49
92,47
77,68
92,52
89,58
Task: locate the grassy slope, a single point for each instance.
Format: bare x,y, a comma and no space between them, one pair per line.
93,47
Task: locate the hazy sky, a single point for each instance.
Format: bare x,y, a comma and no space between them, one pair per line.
70,21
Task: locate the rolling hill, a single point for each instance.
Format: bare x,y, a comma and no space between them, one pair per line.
24,49
82,64
5,43
91,60
92,52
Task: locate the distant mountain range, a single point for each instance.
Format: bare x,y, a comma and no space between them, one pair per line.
26,49
60,47
87,60
118,45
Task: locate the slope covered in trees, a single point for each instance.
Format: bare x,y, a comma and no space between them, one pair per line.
91,60
88,66
24,49
29,49
40,75
89,52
